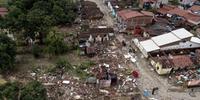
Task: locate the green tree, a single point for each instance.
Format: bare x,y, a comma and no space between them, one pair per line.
55,43
7,53
31,17
9,91
36,51
63,64
174,2
135,3
33,91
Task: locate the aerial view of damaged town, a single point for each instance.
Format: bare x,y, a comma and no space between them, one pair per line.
99,49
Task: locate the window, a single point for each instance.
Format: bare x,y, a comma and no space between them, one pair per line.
158,68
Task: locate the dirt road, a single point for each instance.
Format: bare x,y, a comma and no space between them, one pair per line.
150,79
107,17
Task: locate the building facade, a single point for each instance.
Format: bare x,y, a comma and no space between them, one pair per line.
128,19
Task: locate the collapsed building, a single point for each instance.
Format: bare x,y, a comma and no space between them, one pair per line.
93,36
117,5
87,13
190,17
151,3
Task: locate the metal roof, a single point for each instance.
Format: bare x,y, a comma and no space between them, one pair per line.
182,33
195,40
165,39
149,45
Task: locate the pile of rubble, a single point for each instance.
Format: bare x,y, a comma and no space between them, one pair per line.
111,77
87,13
188,78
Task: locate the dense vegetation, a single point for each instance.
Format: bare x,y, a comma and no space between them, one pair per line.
7,53
55,43
15,91
35,17
33,20
174,2
33,91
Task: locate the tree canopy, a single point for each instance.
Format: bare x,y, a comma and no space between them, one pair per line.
34,90
7,53
174,2
31,17
9,91
55,43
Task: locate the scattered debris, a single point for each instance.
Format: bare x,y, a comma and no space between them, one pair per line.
65,82
104,91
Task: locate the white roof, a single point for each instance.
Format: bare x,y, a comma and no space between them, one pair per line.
195,40
182,33
165,39
149,45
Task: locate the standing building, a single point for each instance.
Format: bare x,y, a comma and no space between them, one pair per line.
128,19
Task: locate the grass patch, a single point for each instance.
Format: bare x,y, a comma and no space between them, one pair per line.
82,70
2,81
3,2
79,70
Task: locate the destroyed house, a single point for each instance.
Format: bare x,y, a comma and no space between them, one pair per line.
164,64
192,18
165,8
195,9
94,35
129,19
151,3
89,10
95,32
117,5
88,3
186,2
105,78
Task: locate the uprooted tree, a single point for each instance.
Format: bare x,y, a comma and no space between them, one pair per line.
35,17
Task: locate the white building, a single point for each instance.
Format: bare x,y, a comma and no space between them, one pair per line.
177,39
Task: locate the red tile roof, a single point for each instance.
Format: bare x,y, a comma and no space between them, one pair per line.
147,13
181,61
166,8
195,8
3,11
190,17
177,11
127,14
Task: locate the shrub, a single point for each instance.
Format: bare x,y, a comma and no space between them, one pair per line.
55,43
36,51
7,53
33,91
